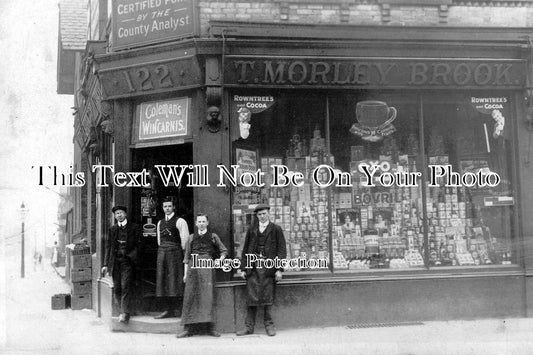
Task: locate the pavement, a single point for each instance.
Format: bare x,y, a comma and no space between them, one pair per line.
30,326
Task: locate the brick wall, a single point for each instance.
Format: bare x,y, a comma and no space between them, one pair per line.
364,14
263,11
490,16
369,12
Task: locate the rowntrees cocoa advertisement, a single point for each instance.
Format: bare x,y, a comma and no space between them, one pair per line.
244,107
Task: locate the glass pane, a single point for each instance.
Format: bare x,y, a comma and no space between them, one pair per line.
378,220
288,131
469,138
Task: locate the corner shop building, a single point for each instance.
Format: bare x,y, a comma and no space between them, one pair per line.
441,253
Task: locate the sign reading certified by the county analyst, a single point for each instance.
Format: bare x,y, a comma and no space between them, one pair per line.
163,119
141,22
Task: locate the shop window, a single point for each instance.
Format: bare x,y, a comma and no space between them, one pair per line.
400,218
377,226
279,130
470,225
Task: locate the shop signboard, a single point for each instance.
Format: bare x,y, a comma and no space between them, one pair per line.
138,23
163,119
370,73
149,76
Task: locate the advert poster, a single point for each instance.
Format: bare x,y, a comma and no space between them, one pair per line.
348,222
246,191
137,23
244,107
163,119
497,108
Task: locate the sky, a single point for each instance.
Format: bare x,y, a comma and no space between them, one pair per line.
36,123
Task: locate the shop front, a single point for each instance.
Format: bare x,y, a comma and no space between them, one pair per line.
158,112
401,146
389,157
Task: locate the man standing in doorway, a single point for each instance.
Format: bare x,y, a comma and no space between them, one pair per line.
264,240
172,234
198,301
121,248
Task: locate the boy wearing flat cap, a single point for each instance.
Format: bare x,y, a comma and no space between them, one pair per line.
265,240
121,248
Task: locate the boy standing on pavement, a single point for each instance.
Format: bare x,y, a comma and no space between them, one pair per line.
198,302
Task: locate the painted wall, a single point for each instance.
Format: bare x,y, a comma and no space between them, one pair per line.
334,303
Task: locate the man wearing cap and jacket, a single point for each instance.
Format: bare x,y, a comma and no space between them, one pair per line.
265,240
121,248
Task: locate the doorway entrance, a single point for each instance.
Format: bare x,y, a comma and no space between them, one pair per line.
147,204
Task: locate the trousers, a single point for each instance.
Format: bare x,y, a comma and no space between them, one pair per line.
122,280
251,314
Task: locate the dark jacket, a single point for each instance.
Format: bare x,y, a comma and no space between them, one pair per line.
274,245
132,244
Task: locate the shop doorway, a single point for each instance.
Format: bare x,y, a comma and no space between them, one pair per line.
147,206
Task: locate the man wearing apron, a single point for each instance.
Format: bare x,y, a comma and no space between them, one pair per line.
172,233
264,239
198,301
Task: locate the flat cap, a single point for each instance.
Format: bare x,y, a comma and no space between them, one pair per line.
261,207
116,208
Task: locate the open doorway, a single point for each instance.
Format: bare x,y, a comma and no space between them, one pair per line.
147,206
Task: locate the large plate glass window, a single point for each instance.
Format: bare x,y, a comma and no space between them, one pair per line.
410,176
469,134
378,222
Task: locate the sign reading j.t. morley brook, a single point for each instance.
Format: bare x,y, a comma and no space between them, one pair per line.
142,22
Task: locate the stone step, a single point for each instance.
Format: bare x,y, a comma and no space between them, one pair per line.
147,324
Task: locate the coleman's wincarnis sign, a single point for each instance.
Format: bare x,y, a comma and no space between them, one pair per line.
375,72
142,22
163,119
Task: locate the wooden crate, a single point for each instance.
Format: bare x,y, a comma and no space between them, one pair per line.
81,302
61,301
81,288
80,274
80,261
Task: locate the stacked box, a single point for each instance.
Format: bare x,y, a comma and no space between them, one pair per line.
61,301
80,278
80,261
81,288
81,302
80,274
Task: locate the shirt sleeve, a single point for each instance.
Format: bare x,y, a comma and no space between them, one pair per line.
187,255
158,235
183,228
223,250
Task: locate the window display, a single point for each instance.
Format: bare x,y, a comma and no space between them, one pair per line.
396,202
389,232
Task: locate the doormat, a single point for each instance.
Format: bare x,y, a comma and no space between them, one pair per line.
382,325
